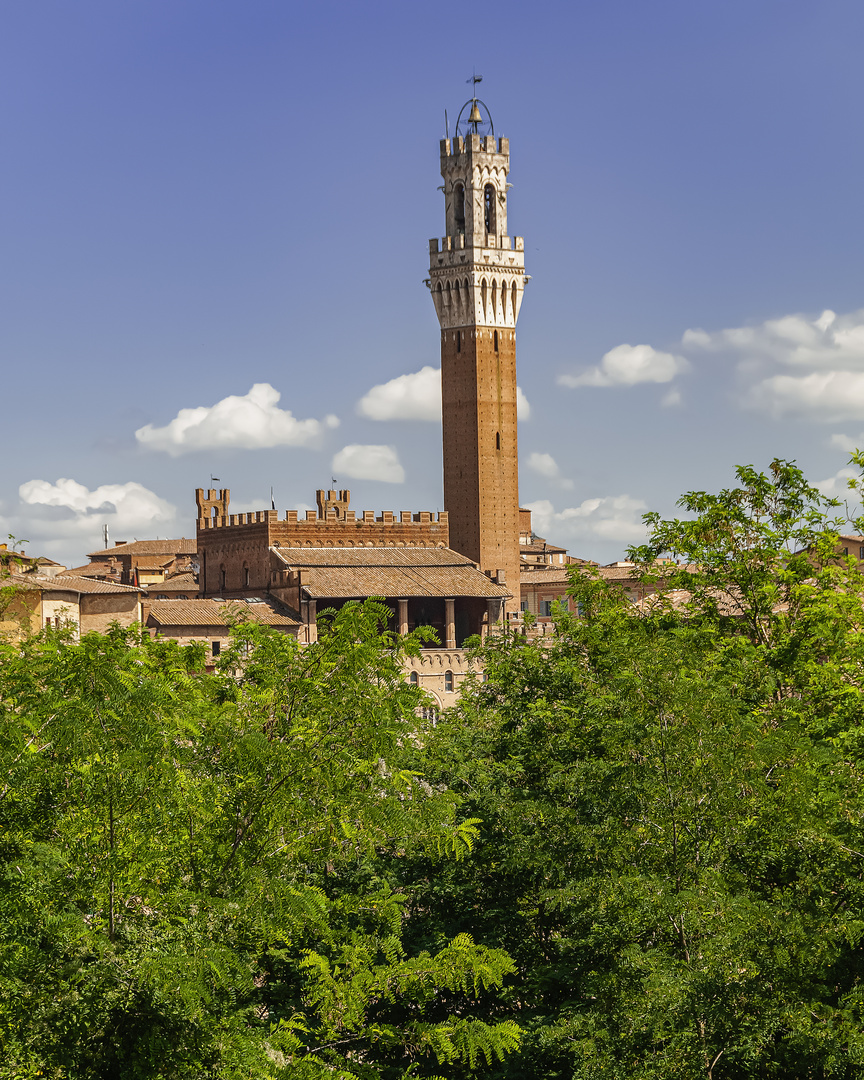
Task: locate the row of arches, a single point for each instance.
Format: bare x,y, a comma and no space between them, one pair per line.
498,300
488,210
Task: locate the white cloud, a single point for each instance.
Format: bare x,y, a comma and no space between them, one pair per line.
64,520
671,398
614,517
416,397
825,354
822,395
544,464
627,365
369,463
846,442
407,397
837,486
831,341
251,422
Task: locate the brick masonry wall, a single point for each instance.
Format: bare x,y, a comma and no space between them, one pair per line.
481,462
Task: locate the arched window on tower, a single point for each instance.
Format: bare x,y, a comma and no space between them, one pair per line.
489,208
459,209
448,682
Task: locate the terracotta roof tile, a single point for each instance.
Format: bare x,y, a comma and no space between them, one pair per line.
215,612
149,547
388,571
68,583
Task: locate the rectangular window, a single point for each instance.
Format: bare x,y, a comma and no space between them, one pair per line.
216,647
547,607
523,605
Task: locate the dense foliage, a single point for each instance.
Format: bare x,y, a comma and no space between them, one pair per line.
635,849
672,844
180,891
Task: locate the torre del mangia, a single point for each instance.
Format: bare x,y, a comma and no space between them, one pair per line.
477,277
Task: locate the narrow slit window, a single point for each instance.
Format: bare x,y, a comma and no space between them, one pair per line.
497,440
489,208
215,647
495,339
458,341
448,682
459,209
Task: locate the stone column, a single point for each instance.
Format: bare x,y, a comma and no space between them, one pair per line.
311,621
403,617
493,614
450,625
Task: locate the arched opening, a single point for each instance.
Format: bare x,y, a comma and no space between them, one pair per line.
413,678
495,301
497,440
214,513
459,209
222,570
448,681
489,208
513,300
246,577
483,296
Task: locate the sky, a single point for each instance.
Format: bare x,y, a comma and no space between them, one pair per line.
215,224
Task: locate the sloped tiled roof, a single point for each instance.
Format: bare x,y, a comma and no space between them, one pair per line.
148,547
90,570
556,576
68,583
213,613
177,583
91,585
387,571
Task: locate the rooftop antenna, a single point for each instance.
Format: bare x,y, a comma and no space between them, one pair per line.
105,535
446,126
272,503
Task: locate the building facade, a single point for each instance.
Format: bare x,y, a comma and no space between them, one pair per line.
477,278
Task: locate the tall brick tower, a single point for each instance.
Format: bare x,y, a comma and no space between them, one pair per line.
476,277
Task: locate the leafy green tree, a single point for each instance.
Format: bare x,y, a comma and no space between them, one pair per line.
177,858
671,848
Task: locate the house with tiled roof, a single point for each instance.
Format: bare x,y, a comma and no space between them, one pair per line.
208,622
141,562
64,600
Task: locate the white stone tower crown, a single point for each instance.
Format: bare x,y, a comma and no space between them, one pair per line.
476,271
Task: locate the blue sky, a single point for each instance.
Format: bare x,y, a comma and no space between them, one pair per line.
202,196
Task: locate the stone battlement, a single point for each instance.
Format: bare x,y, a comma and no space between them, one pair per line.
457,243
332,516
349,517
477,144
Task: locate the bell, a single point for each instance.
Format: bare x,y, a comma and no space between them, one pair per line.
475,117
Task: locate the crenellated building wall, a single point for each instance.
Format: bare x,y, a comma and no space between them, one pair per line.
233,549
